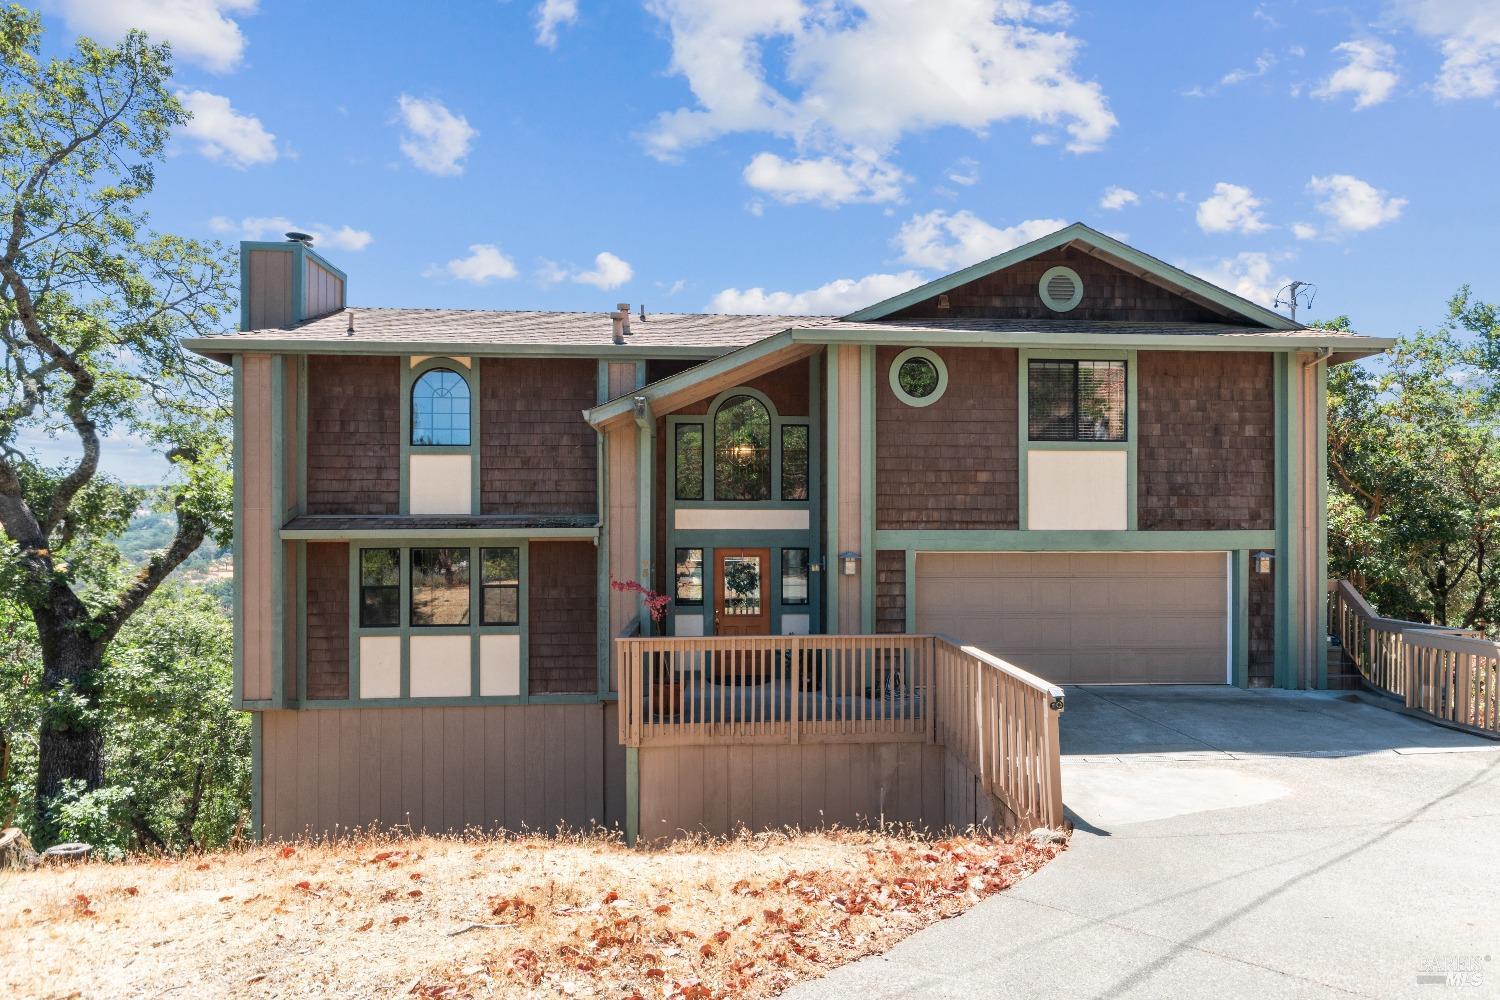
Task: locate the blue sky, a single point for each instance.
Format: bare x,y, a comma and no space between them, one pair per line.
793,156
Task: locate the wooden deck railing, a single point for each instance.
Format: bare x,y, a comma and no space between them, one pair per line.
1451,674
999,720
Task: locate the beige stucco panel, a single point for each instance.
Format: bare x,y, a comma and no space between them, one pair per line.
440,666
440,484
1076,491
380,666
499,665
711,519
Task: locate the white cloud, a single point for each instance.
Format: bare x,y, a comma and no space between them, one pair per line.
1263,64
202,32
948,242
551,15
1304,230
484,264
1231,208
839,75
835,298
1366,73
1249,275
609,272
860,177
1354,205
1116,198
274,227
223,134
432,137
965,171
1468,34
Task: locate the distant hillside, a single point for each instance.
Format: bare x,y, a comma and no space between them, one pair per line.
211,567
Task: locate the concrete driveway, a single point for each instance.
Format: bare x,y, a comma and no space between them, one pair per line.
1237,844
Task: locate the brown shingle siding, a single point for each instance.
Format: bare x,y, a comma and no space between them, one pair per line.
1207,441
353,435
561,600
1262,629
327,620
536,452
1108,294
890,591
952,464
786,388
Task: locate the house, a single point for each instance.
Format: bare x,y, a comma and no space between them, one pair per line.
1073,457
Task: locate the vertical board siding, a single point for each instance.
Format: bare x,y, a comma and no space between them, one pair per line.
438,769
270,282
292,498
1109,293
890,591
718,790
328,620
1206,441
259,543
1262,672
562,654
624,525
536,452
353,435
952,464
322,290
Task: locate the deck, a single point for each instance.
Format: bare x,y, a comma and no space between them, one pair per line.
770,731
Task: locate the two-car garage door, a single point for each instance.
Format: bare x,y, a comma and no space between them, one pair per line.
1085,617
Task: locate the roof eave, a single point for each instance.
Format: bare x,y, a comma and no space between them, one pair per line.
1107,341
224,347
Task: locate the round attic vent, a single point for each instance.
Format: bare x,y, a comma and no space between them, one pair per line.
1061,288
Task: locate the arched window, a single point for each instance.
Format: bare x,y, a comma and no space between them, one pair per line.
440,409
742,450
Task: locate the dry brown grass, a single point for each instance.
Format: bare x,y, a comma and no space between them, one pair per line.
484,916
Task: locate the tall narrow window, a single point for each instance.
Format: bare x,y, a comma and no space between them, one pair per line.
1076,401
689,461
742,450
439,587
794,588
440,409
794,462
379,588
689,577
500,586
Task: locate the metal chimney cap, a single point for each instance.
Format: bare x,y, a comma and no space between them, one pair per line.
297,237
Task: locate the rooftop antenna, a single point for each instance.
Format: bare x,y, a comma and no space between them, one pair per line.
1298,293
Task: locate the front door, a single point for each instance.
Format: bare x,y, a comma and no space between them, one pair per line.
742,598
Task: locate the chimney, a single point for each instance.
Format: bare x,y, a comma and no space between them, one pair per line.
617,324
624,308
284,284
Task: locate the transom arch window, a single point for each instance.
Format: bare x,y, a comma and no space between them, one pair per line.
742,450
440,409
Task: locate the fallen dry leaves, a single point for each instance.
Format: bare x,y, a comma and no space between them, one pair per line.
528,916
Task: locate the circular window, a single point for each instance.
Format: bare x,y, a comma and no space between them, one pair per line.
1061,288
918,376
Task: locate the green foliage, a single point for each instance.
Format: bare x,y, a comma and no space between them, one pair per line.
1414,472
177,759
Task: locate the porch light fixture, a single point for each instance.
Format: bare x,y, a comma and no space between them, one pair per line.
1261,561
849,561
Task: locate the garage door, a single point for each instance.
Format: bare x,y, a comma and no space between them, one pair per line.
1085,617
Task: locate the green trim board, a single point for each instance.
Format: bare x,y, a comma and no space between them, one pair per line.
1240,609
1320,409
960,540
1092,237
434,534
831,493
257,776
1023,419
277,512
405,631
1287,484
867,488
893,376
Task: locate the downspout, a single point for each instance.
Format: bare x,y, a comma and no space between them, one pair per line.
1308,527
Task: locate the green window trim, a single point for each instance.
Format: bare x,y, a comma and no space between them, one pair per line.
434,601
505,564
687,577
379,588
918,377
743,446
441,402
796,481
796,574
